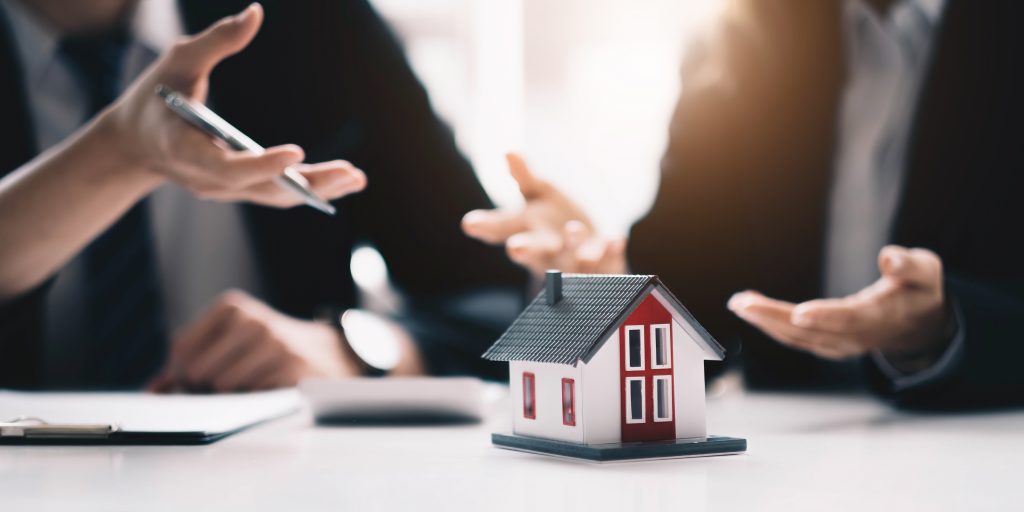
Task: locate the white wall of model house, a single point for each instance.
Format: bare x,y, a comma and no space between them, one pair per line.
547,422
598,391
603,420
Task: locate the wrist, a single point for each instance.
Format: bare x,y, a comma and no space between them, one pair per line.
115,151
913,360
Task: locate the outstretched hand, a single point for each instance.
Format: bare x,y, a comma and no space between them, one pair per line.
550,231
154,140
904,314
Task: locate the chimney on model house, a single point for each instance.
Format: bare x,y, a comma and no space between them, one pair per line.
553,286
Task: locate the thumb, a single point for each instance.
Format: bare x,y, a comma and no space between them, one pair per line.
913,267
198,55
493,226
529,185
162,383
575,234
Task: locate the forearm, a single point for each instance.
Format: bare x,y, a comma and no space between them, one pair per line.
54,205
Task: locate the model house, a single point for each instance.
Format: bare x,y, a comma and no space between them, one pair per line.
599,359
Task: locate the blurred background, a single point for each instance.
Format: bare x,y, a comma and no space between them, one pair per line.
583,88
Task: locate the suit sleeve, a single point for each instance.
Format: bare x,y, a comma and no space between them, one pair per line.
738,203
21,333
419,188
986,370
696,234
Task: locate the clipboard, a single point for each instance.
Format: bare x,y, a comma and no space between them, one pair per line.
135,418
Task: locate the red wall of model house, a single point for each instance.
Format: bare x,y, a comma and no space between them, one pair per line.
649,312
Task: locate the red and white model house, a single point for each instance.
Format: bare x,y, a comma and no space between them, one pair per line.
607,361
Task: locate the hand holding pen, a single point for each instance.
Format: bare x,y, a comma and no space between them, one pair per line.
137,144
167,142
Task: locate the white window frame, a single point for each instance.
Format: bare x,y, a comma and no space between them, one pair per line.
643,349
657,395
629,401
533,393
572,400
668,347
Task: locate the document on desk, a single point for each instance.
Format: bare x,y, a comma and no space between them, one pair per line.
135,418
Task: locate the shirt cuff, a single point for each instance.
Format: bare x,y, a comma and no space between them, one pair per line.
950,357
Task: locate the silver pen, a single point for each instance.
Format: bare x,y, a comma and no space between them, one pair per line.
198,115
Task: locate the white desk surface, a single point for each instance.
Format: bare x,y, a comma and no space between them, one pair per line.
806,452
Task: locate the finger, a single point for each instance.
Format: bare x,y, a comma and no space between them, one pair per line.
914,267
333,179
824,344
591,254
222,353
847,315
243,373
494,226
213,169
574,234
773,317
772,307
529,185
197,55
197,156
242,169
283,376
603,256
615,256
162,383
190,342
236,170
535,250
329,180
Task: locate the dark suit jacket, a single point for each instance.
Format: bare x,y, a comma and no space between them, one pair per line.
744,186
330,76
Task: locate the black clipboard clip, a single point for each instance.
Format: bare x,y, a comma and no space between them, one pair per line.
35,428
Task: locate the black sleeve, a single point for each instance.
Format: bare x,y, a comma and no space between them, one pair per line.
697,235
419,188
740,179
21,336
986,371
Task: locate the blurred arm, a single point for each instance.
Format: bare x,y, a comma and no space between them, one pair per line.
420,188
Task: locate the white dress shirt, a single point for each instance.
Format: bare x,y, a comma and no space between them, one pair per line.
201,246
886,60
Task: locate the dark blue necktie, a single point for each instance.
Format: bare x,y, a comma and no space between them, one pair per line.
125,324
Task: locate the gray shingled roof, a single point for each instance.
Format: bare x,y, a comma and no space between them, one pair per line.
573,329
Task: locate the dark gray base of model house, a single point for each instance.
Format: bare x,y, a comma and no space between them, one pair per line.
713,445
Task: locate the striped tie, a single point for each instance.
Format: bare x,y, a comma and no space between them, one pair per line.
126,330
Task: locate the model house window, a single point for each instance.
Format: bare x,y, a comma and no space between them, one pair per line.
662,398
634,347
661,347
569,402
634,400
529,396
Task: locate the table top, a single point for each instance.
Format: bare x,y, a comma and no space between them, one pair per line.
813,452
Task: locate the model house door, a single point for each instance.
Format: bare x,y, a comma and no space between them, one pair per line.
648,405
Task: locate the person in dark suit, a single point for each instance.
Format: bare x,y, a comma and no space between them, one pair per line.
861,151
105,248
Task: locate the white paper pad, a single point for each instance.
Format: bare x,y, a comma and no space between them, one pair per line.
149,413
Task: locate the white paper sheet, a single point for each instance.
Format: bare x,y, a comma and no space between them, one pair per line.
149,413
